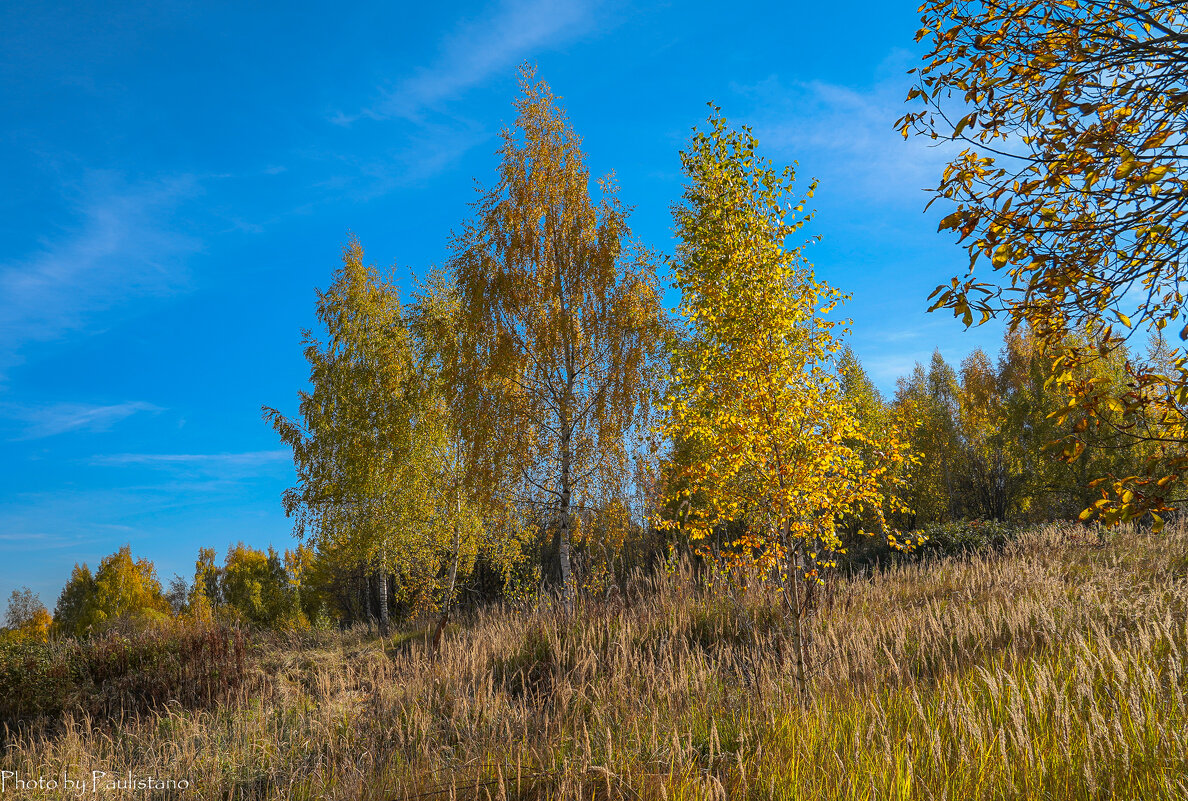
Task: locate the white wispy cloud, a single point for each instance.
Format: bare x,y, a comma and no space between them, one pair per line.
122,247
203,461
423,153
477,50
36,422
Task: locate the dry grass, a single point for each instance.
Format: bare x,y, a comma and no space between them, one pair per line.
1053,670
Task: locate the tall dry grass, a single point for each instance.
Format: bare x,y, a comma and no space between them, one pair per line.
1055,669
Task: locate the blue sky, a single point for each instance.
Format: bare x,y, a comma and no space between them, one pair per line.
178,177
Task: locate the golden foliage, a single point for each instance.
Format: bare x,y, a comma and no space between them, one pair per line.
560,322
121,589
1072,187
756,399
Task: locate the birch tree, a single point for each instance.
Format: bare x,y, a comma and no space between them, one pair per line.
360,489
560,321
755,397
468,513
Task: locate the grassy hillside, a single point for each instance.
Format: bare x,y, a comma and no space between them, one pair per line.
1055,669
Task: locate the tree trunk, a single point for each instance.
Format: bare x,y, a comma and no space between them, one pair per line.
566,430
381,591
365,597
563,534
794,570
798,634
447,605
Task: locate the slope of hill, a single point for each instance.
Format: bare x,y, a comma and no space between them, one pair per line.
1054,669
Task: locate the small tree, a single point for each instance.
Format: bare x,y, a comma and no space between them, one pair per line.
755,396
308,578
23,606
178,596
72,613
26,616
360,485
204,594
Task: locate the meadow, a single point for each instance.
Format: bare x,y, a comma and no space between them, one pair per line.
1053,668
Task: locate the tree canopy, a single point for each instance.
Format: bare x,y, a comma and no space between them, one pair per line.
122,588
560,323
757,400
1072,187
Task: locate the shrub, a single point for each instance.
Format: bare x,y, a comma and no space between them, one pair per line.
36,677
940,539
121,672
193,665
962,536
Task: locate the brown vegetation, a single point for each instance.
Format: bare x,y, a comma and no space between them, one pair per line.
1053,669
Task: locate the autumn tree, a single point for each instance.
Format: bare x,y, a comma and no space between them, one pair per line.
359,484
859,391
310,581
756,397
26,616
71,612
178,596
23,606
384,483
872,414
204,594
1072,187
983,432
473,516
256,588
560,321
993,469
122,588
930,397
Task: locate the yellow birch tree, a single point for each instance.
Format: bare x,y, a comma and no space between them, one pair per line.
470,514
361,487
755,393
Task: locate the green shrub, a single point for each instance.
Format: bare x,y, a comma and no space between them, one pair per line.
962,536
941,539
